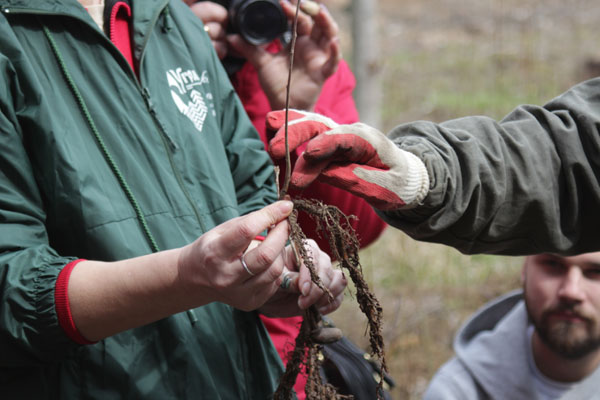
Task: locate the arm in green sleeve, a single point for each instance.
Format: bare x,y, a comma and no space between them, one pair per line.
526,184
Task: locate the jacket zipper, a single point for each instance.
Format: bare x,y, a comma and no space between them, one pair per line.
164,135
166,138
168,142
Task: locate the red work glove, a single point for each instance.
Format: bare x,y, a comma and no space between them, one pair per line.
356,158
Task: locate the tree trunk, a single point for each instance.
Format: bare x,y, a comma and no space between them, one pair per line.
366,61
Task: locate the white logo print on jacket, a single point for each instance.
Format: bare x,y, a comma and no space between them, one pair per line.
185,91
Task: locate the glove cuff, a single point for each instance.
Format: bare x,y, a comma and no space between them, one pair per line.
416,184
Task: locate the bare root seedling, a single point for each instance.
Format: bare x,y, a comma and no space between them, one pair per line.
344,246
335,226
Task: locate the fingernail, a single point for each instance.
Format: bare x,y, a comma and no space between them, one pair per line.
305,288
286,206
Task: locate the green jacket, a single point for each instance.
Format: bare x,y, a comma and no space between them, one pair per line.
529,183
174,151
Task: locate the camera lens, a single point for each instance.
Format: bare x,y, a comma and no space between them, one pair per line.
259,21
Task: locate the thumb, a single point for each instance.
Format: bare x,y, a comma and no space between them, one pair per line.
302,126
305,172
236,234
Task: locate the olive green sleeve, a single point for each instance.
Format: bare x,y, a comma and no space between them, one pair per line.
526,184
29,329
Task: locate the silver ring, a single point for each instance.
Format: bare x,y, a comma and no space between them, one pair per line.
246,266
287,281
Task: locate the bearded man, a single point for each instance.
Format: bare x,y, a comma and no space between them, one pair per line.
541,342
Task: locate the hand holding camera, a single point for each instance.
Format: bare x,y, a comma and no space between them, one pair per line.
316,58
215,18
245,27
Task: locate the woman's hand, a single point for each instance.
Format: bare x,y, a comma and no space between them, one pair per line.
302,292
212,267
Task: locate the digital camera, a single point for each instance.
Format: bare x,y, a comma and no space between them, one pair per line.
257,21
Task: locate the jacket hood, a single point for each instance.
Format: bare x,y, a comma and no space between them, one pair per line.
493,338
486,319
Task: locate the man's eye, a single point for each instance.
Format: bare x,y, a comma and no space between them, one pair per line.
553,264
592,273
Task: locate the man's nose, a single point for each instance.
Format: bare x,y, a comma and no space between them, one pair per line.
571,286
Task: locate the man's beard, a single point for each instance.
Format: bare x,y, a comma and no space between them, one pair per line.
571,340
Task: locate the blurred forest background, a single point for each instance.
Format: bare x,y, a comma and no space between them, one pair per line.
443,59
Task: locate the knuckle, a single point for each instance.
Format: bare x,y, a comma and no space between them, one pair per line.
246,230
220,282
210,259
265,257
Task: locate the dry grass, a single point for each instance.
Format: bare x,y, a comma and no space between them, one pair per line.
427,291
444,59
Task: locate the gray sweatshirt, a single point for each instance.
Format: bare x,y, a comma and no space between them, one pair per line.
493,359
523,185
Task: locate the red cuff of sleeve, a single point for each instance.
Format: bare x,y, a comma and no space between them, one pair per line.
61,303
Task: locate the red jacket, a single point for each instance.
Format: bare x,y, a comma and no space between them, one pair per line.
337,103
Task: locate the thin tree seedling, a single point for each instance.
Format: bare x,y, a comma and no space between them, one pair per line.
335,226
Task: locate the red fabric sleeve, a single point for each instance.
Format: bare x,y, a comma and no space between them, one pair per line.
62,306
336,101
